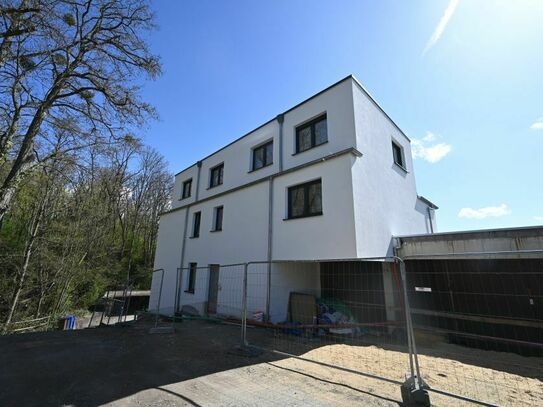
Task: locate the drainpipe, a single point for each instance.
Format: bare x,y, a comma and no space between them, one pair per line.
197,194
280,120
184,239
270,241
430,219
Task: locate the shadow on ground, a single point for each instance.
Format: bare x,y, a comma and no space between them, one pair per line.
102,365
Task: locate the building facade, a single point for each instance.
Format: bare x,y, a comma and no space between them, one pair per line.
331,178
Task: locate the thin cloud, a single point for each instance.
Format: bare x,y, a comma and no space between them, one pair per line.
436,35
487,212
538,218
426,148
537,125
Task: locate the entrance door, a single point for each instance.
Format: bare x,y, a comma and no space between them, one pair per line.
213,290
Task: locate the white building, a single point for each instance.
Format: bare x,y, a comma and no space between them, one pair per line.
330,178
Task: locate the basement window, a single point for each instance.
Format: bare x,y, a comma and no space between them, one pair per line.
311,134
397,152
305,200
192,277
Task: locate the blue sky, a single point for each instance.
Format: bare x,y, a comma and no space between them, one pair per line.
463,79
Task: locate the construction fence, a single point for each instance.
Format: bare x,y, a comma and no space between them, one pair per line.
456,331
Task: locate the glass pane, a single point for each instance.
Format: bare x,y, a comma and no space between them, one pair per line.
315,198
398,159
214,175
304,138
221,169
296,202
321,132
269,154
196,232
218,220
258,158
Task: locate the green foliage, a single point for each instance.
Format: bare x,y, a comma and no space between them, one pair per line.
96,232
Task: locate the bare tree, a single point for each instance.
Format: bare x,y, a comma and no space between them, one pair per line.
68,67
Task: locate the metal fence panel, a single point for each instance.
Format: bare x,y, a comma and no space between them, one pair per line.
348,315
479,325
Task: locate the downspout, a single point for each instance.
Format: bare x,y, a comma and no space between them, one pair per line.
199,165
183,241
182,261
280,120
430,219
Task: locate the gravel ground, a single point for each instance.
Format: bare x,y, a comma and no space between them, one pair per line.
198,366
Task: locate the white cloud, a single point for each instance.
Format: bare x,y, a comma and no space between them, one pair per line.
538,218
482,213
436,35
538,124
422,148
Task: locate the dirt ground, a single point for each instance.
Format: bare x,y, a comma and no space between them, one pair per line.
198,366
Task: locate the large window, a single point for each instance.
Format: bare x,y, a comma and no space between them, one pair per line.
305,200
263,155
217,219
216,176
187,186
397,152
192,278
311,134
196,224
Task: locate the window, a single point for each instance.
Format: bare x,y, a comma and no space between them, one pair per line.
397,152
192,277
311,134
305,200
217,219
196,224
216,176
263,155
187,185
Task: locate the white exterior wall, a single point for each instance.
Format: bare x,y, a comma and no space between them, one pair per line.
365,200
384,195
330,236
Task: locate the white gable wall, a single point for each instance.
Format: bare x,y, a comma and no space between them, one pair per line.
384,195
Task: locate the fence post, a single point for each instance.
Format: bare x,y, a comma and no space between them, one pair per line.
244,309
413,390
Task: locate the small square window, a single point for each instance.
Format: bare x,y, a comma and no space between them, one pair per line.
305,200
397,152
216,176
263,155
311,134
192,277
187,186
217,219
196,224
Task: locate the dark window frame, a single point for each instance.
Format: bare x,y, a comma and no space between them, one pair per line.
184,193
216,211
398,155
193,267
219,167
306,213
196,230
311,124
262,147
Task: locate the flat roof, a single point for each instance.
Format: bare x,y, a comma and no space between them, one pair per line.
476,233
351,76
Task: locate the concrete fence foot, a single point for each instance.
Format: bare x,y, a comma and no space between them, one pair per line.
413,396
